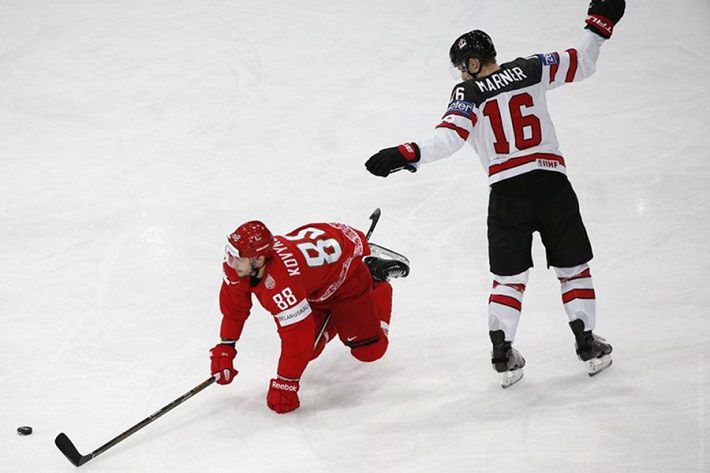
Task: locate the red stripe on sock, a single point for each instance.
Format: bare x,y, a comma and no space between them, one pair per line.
578,294
517,287
587,273
506,301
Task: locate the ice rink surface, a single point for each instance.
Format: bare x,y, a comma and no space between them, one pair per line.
134,135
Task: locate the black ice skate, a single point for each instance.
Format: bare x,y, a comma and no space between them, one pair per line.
506,359
385,263
591,349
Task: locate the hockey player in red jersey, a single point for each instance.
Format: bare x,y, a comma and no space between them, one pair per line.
319,281
501,111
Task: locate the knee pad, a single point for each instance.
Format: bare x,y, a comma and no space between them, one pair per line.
566,274
372,351
520,279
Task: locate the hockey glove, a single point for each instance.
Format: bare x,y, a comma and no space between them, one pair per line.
389,160
222,358
283,395
602,15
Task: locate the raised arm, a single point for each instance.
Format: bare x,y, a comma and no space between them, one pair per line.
578,63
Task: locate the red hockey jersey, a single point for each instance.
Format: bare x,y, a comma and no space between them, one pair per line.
307,266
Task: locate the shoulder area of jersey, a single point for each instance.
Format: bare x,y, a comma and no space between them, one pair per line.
464,83
463,91
284,260
518,61
547,59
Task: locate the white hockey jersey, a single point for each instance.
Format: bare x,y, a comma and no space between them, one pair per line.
504,115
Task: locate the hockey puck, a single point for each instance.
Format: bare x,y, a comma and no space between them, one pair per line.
24,430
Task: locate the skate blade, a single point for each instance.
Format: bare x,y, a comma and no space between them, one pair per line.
597,365
385,253
509,378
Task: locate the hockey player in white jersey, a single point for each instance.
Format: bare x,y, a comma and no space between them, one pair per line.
501,111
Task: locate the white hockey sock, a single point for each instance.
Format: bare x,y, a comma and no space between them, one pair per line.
505,303
578,294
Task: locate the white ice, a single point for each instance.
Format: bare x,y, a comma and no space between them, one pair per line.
135,134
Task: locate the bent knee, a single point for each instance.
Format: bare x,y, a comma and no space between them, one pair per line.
371,352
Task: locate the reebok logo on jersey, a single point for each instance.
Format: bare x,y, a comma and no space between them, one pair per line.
548,59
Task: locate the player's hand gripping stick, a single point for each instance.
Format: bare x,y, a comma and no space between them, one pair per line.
222,362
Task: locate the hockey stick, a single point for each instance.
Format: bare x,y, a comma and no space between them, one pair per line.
69,450
408,167
322,330
375,217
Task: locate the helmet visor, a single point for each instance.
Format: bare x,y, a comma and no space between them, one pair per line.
232,257
457,70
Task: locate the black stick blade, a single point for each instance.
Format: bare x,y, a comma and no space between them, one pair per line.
69,450
375,217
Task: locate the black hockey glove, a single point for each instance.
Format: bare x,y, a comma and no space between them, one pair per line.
602,15
390,160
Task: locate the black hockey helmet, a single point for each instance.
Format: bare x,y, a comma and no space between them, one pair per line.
476,44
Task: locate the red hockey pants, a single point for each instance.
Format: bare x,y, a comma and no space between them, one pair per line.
359,310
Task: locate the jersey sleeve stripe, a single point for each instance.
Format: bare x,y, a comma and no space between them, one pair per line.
459,131
522,160
554,67
572,65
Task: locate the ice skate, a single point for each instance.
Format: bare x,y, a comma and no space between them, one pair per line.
385,263
591,349
506,360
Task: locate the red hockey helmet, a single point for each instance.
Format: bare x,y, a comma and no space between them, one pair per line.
250,240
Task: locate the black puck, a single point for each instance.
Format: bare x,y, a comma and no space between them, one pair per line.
24,430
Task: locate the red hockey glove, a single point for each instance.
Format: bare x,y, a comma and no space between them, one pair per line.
222,356
283,395
389,160
602,15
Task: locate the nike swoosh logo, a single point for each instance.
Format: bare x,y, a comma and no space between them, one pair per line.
350,339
